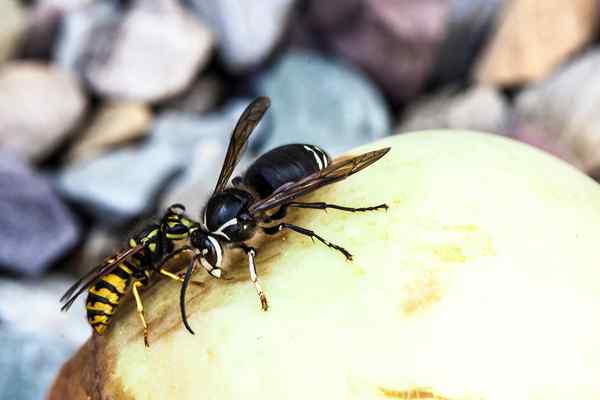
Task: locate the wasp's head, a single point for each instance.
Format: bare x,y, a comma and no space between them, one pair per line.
208,250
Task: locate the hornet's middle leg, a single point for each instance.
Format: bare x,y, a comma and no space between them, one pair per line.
251,253
272,230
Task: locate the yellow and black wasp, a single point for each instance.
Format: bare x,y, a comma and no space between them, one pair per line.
132,269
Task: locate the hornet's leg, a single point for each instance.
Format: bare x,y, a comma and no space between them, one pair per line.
251,253
282,211
140,309
303,231
324,206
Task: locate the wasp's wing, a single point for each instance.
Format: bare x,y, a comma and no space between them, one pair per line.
333,173
92,276
245,125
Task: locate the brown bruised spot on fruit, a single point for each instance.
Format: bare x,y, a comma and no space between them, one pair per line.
412,394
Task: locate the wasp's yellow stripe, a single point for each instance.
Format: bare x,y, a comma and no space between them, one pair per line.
119,283
99,328
98,319
177,236
125,268
107,294
107,308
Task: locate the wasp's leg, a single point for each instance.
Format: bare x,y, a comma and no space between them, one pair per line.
178,277
251,253
140,309
303,231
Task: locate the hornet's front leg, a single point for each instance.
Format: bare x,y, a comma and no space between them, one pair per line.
251,253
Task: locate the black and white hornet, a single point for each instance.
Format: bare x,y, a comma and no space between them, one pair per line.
262,196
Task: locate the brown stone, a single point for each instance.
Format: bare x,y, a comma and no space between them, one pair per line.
114,124
534,37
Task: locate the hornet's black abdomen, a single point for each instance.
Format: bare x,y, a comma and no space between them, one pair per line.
284,164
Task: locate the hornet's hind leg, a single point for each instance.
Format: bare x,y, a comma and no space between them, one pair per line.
282,211
272,230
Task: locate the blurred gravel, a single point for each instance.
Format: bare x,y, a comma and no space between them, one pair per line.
120,185
480,108
39,106
395,41
319,100
35,226
11,28
114,124
133,56
246,31
77,28
561,115
29,362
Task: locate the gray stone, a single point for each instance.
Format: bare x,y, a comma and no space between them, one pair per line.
35,227
29,362
201,97
246,31
39,106
152,53
121,184
35,308
480,108
78,27
561,113
185,131
11,28
321,101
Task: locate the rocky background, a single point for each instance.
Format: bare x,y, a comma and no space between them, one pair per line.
110,110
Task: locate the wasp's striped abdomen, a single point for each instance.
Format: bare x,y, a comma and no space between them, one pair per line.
106,294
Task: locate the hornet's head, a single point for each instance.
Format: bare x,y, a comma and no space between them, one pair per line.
208,250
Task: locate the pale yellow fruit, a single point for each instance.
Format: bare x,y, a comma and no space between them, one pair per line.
482,281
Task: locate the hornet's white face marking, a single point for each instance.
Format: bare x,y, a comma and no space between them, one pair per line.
227,224
316,154
218,250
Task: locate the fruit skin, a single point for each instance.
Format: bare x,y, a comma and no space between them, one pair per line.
482,280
